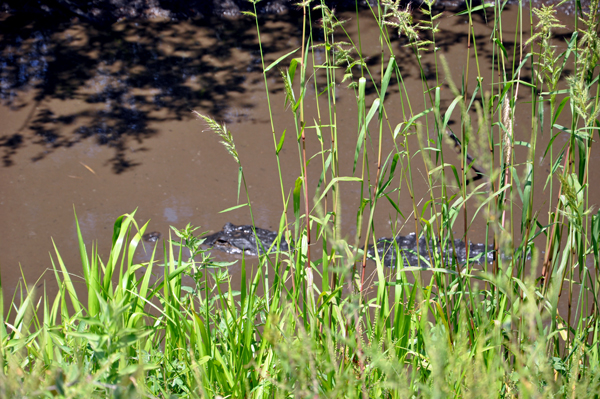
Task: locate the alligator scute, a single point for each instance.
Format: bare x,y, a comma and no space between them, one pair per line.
415,255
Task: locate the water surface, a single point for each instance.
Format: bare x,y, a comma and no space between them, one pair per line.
99,120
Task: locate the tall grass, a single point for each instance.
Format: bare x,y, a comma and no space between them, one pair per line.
303,323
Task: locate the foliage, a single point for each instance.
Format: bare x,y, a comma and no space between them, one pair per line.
311,325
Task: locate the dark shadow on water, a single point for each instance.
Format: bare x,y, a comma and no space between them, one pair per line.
125,77
130,75
11,144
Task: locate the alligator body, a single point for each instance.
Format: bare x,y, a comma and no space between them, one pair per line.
242,239
410,252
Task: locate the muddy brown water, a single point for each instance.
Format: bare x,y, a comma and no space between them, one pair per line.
100,121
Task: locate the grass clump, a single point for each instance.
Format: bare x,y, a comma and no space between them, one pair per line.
311,324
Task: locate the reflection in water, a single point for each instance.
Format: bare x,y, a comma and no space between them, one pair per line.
171,215
89,224
176,210
23,65
133,74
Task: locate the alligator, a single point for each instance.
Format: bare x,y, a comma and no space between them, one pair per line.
242,239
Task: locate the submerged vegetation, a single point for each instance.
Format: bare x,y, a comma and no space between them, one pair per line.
308,323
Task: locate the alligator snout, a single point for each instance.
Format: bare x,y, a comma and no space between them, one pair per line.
242,239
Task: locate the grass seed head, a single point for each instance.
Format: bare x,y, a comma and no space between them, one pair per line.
221,130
